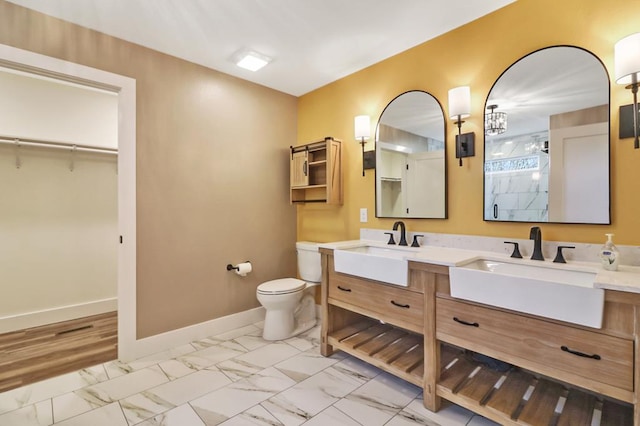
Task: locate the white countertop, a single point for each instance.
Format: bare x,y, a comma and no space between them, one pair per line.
626,278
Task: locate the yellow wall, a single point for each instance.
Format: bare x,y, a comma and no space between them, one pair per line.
475,55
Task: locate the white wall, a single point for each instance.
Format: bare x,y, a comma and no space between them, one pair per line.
520,194
58,228
41,108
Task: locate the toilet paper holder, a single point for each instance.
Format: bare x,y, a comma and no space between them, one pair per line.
231,267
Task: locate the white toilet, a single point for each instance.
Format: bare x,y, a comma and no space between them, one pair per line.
290,302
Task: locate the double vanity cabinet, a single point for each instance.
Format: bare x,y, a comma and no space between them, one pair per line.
511,367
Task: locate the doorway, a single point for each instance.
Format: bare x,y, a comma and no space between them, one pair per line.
124,87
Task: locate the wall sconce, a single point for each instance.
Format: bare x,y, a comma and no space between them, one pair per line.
363,131
495,123
627,71
459,108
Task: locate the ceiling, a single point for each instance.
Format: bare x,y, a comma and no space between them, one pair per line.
312,42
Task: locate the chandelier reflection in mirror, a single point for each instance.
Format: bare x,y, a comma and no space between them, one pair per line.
495,123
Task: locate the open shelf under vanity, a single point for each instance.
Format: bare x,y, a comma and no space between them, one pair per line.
513,397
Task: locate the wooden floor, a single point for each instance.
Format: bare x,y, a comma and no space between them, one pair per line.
38,353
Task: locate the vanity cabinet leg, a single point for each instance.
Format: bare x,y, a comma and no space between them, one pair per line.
325,348
636,367
431,346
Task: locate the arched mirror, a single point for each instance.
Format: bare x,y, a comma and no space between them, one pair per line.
411,176
546,151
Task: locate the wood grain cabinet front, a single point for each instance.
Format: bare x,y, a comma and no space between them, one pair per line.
316,172
389,303
590,359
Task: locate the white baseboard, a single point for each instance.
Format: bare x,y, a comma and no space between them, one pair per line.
53,315
173,338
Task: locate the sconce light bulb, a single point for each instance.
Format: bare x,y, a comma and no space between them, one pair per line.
362,125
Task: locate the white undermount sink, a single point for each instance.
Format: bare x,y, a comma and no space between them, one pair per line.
376,263
546,290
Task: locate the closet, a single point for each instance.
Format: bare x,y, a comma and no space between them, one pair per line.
59,224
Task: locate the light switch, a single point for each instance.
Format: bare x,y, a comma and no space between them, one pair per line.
363,215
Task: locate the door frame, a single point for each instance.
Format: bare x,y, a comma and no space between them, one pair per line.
125,87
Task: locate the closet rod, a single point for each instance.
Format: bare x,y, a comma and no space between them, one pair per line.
51,144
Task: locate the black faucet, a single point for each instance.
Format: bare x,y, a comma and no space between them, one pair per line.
403,233
536,235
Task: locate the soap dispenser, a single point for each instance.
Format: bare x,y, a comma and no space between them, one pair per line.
609,255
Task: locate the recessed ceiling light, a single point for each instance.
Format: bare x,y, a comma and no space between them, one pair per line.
251,60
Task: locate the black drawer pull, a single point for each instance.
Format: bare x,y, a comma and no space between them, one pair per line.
400,305
470,324
594,356
348,290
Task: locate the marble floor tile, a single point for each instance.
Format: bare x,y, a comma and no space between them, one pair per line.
212,355
306,340
252,330
356,368
191,387
481,421
222,404
300,344
237,369
149,403
179,416
75,403
118,368
50,388
251,342
302,366
207,343
309,397
332,416
175,369
255,416
38,414
109,415
143,406
313,334
416,414
269,355
377,401
124,386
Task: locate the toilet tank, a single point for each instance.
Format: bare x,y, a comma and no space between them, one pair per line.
309,264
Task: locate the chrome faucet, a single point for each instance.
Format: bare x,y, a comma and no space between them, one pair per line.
536,235
403,232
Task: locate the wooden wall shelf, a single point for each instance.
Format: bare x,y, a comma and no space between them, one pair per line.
316,172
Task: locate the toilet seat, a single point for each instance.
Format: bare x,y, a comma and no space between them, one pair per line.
281,286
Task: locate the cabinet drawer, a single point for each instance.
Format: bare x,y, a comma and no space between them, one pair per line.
595,356
391,304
